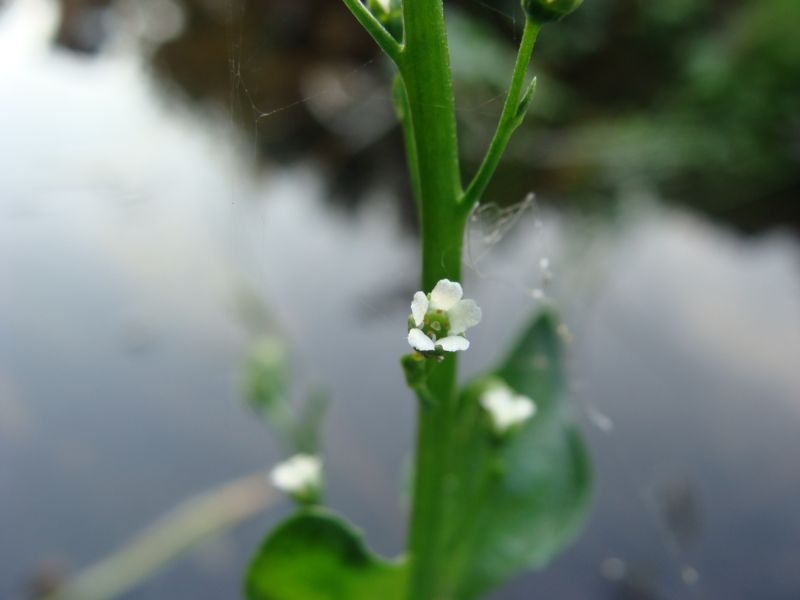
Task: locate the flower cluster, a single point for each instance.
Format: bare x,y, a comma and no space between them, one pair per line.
438,320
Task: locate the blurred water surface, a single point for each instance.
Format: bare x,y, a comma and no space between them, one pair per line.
132,233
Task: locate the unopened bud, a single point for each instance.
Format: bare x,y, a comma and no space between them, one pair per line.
545,11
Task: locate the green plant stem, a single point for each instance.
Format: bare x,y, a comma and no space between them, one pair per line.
425,68
512,116
374,27
424,99
403,110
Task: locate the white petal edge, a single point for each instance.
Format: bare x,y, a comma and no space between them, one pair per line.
446,294
298,473
419,307
453,343
523,409
507,409
464,315
496,399
419,341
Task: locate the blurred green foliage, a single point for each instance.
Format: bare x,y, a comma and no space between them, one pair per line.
268,387
691,101
696,100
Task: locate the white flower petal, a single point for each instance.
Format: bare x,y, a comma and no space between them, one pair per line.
522,409
300,473
419,341
464,315
453,343
446,295
419,307
505,408
496,398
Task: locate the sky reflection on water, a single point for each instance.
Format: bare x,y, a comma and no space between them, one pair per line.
130,231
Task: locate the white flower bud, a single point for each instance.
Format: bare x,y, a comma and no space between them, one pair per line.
300,476
506,409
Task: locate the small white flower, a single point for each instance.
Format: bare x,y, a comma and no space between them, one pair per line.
506,408
300,476
441,318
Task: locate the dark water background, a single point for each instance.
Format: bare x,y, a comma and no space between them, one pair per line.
131,230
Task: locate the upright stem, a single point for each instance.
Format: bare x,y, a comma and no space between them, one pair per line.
425,68
400,98
513,113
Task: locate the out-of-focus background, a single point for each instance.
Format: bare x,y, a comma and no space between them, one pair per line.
179,178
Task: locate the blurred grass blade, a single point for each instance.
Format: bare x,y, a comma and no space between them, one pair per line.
209,514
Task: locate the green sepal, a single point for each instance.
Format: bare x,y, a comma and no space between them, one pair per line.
316,555
417,368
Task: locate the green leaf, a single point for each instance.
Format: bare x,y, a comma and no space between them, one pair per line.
520,500
315,555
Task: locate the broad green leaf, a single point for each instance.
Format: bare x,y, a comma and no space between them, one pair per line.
315,555
521,500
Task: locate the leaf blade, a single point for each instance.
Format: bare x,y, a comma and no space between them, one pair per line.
527,496
315,555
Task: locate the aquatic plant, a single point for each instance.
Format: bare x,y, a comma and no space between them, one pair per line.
501,476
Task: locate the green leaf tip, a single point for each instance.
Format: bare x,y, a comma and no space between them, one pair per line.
316,555
534,366
526,101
